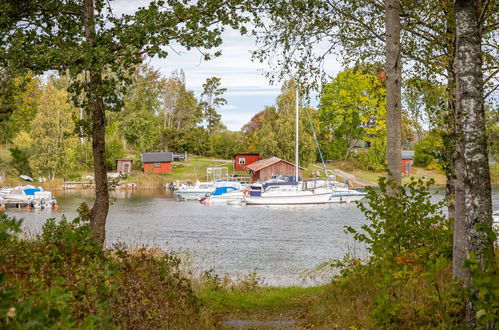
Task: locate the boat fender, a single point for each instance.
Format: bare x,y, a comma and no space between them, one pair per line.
28,207
246,192
55,207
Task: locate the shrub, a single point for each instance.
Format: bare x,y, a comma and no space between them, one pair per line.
62,279
429,149
407,282
374,157
403,220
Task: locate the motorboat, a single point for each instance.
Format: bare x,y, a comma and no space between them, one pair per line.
42,200
27,195
224,195
194,192
200,189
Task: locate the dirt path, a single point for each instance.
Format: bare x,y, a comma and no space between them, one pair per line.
290,320
352,177
355,179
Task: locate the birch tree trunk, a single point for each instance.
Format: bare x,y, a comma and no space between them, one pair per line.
472,169
454,191
96,104
393,86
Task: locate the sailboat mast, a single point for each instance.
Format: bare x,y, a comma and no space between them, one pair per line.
296,137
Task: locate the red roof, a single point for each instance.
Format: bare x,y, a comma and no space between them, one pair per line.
262,163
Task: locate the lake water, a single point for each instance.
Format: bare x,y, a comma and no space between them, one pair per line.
282,244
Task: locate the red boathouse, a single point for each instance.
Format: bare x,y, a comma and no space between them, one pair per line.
157,162
244,159
265,169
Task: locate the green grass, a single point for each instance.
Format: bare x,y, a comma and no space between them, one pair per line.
270,299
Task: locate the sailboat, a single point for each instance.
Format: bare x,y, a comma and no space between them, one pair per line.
304,192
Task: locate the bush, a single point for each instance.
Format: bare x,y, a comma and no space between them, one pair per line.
62,279
428,150
407,282
402,220
373,158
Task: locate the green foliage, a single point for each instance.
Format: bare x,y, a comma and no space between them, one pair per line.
425,104
403,219
372,158
484,290
226,144
410,241
114,151
20,161
195,140
18,97
351,112
274,134
492,128
212,100
55,144
430,149
138,122
63,279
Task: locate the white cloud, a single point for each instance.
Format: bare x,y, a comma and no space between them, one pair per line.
228,107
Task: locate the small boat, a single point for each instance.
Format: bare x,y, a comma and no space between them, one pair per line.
27,195
200,189
42,200
194,192
224,195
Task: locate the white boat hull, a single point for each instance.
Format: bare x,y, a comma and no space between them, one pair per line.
193,195
345,197
231,197
289,199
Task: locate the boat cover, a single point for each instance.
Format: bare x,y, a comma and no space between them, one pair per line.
222,190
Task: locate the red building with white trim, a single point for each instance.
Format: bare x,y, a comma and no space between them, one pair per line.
244,159
157,162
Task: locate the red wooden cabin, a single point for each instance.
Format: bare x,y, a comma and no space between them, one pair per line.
157,162
265,169
244,159
124,166
406,160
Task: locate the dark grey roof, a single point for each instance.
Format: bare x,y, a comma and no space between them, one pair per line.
407,155
157,157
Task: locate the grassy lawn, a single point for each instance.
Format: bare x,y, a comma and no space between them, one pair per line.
417,172
249,301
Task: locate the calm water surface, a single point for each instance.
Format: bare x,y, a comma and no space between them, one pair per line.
282,244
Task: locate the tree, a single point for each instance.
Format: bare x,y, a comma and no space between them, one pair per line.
18,98
212,100
425,105
355,28
139,121
52,131
275,132
226,143
351,112
393,69
85,37
472,166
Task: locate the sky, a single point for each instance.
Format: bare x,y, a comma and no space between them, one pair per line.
248,90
